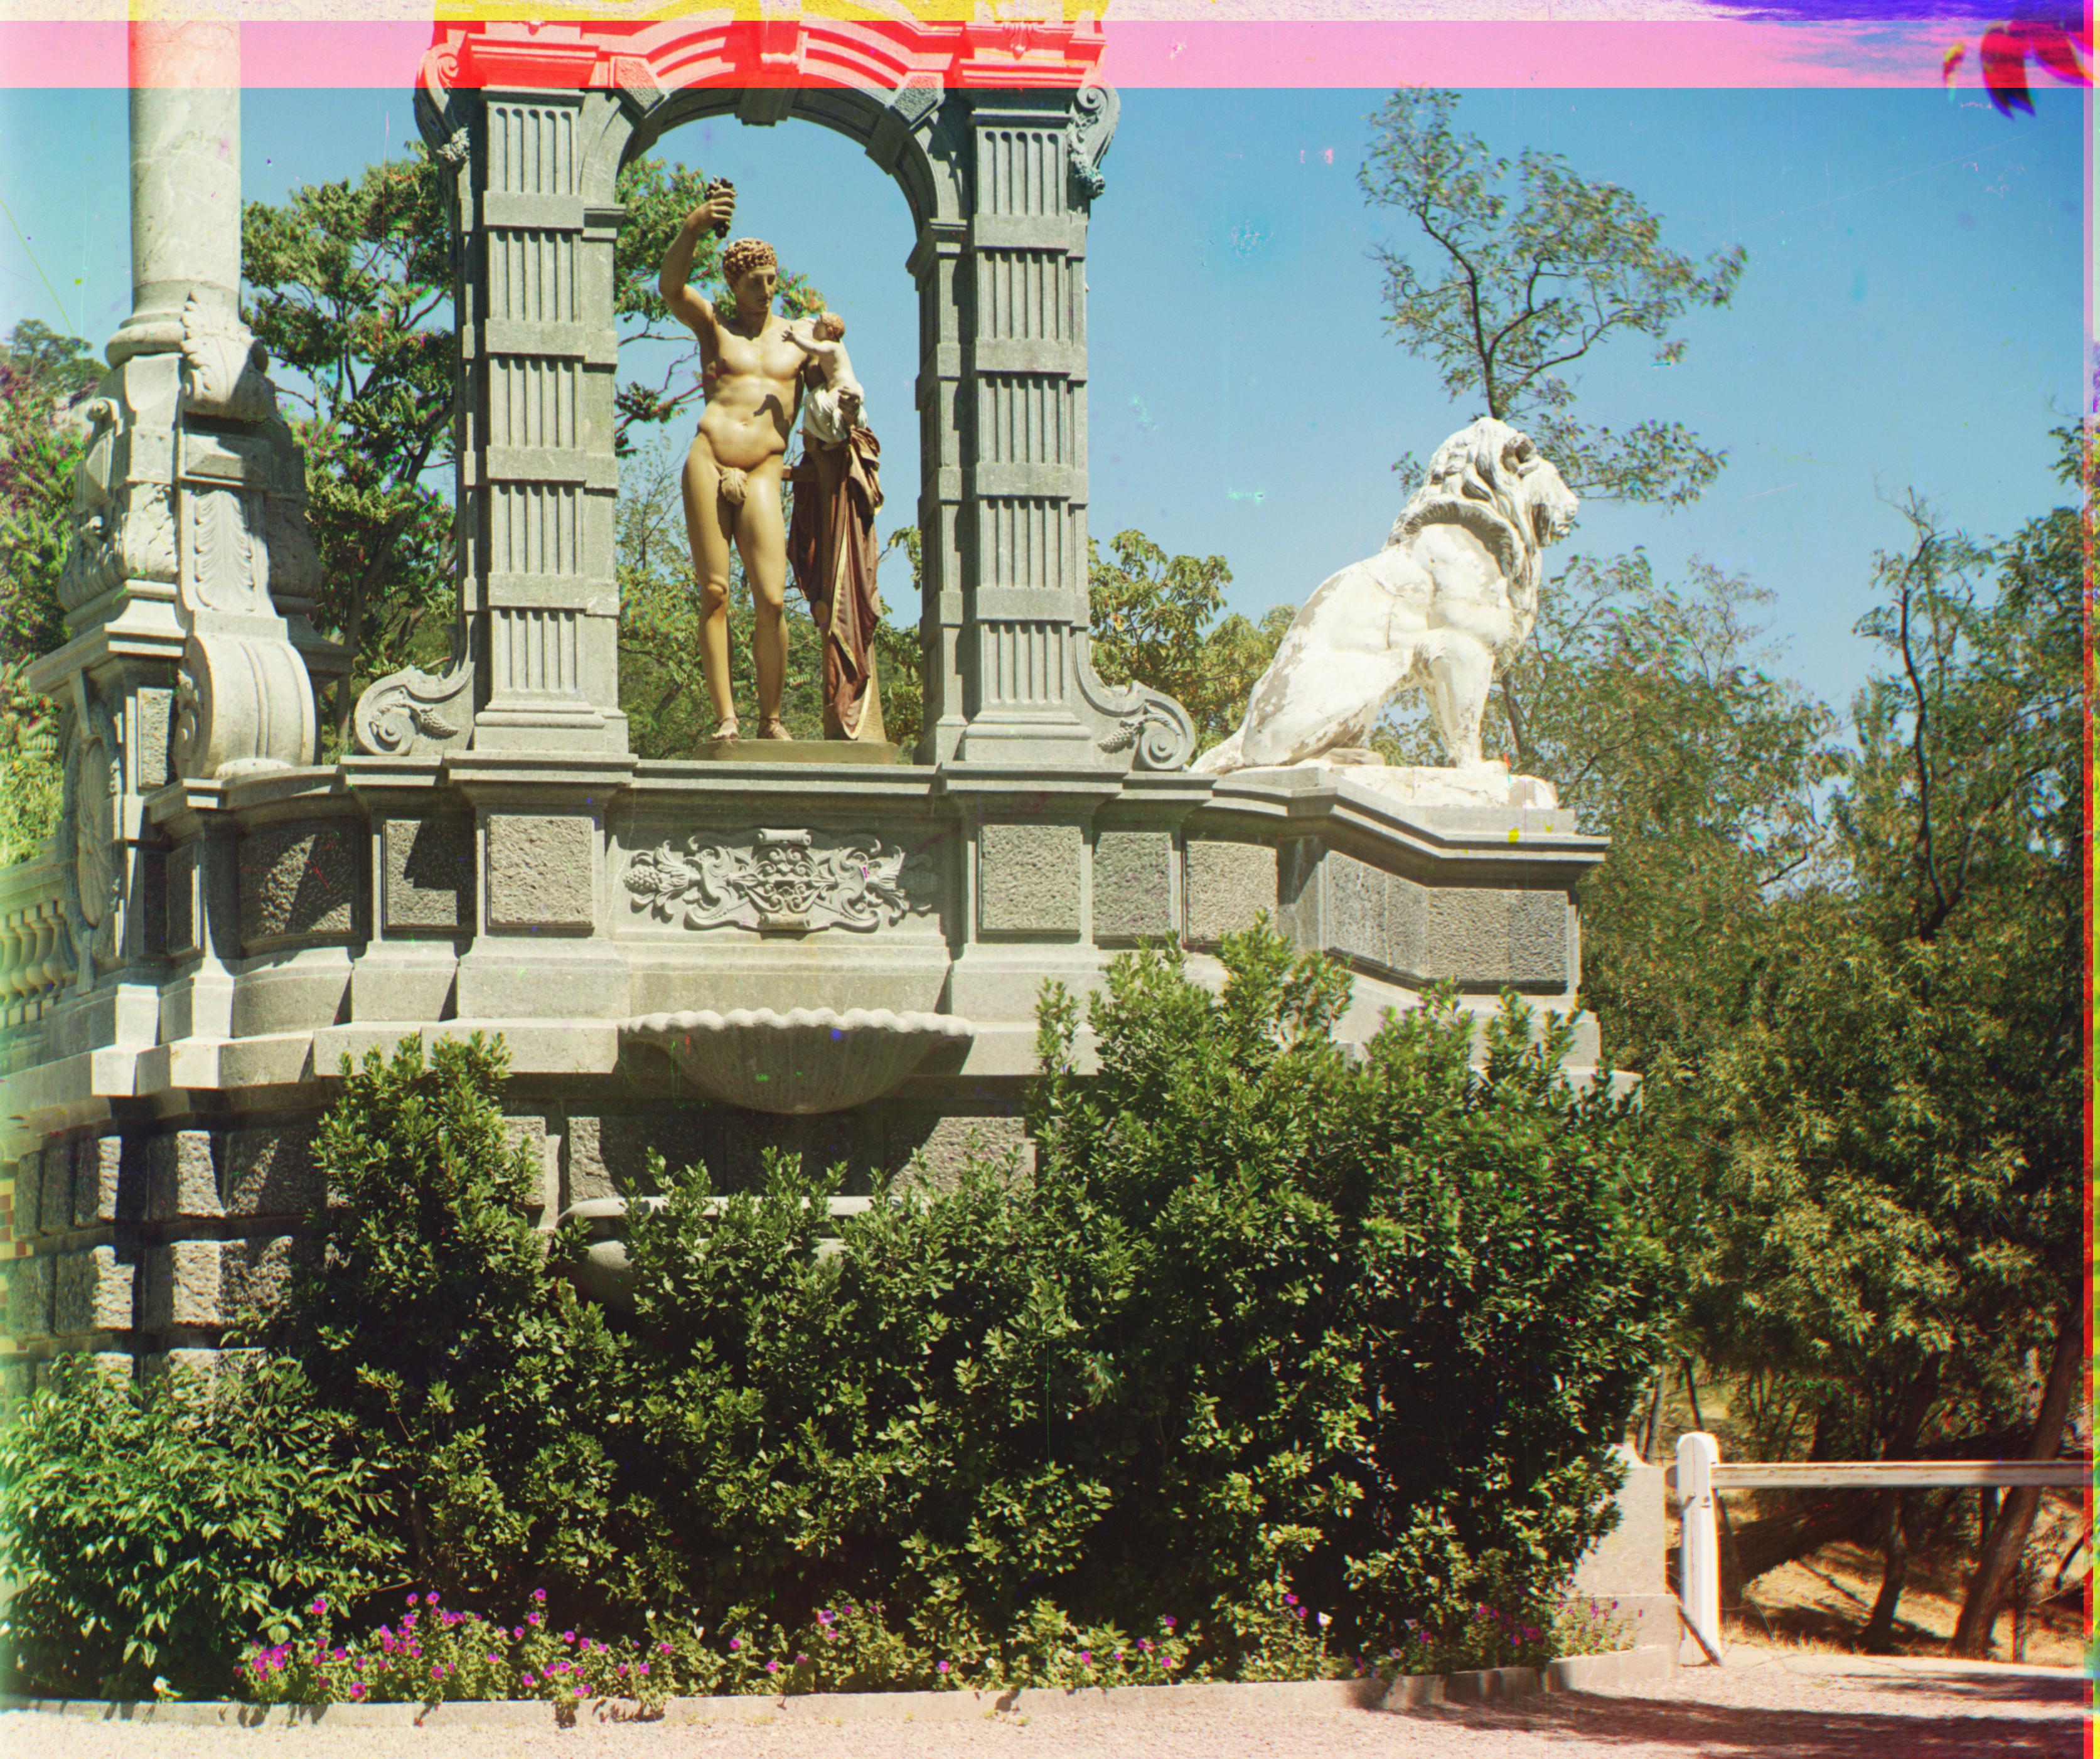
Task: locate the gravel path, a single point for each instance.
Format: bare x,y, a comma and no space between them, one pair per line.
1774,1707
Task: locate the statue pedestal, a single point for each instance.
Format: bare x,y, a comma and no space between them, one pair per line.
796,751
1488,784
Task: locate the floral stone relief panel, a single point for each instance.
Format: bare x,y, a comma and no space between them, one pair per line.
792,881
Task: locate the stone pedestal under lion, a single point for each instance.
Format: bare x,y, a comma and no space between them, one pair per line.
1454,593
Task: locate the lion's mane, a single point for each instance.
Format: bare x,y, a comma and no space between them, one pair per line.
1468,484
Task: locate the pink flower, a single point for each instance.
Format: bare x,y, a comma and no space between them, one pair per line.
772,1667
319,1605
535,1618
568,1637
517,1630
527,1680
411,1600
801,1661
1168,1621
662,1649
942,1669
429,1600
736,1643
357,1691
540,1594
642,1667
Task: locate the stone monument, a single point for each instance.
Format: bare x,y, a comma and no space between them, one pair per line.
1455,591
708,958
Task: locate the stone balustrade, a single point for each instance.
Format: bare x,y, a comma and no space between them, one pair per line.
35,952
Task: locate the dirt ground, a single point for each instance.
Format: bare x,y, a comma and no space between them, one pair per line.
1822,1601
1766,1704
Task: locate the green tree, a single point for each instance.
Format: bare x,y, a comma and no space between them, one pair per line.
1155,621
1656,711
42,374
1889,1140
350,287
1529,267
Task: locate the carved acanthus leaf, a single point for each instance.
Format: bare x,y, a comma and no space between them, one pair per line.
223,366
229,570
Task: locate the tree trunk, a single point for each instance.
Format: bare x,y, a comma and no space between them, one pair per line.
2009,1533
1879,1636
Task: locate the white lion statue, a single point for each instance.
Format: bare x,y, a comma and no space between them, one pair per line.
1454,590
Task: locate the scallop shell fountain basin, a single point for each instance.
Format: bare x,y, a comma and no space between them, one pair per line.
806,1060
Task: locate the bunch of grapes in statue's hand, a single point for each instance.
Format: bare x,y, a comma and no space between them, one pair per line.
714,213
721,194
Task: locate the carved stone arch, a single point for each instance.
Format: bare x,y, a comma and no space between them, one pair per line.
995,134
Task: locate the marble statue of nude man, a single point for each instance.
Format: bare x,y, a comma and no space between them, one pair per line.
753,369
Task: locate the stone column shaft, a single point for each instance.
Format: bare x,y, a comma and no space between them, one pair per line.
185,176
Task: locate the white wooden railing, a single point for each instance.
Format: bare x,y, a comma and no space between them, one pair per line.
1699,1474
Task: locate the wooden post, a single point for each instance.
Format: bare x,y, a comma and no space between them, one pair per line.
1699,1549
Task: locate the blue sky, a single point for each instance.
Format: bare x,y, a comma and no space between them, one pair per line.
1910,314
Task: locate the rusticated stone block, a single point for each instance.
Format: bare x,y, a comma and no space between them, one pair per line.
198,1373
1374,916
1133,885
271,1172
937,1149
182,1176
1229,886
585,1175
539,871
94,1293
429,873
54,1206
212,1282
98,1175
28,1194
1538,939
545,1148
1486,936
29,1282
299,882
609,1156
1028,879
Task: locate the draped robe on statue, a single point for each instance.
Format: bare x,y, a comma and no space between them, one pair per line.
831,546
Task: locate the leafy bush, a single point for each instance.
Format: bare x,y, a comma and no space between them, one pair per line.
150,1530
1272,1352
425,1314
1262,1325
